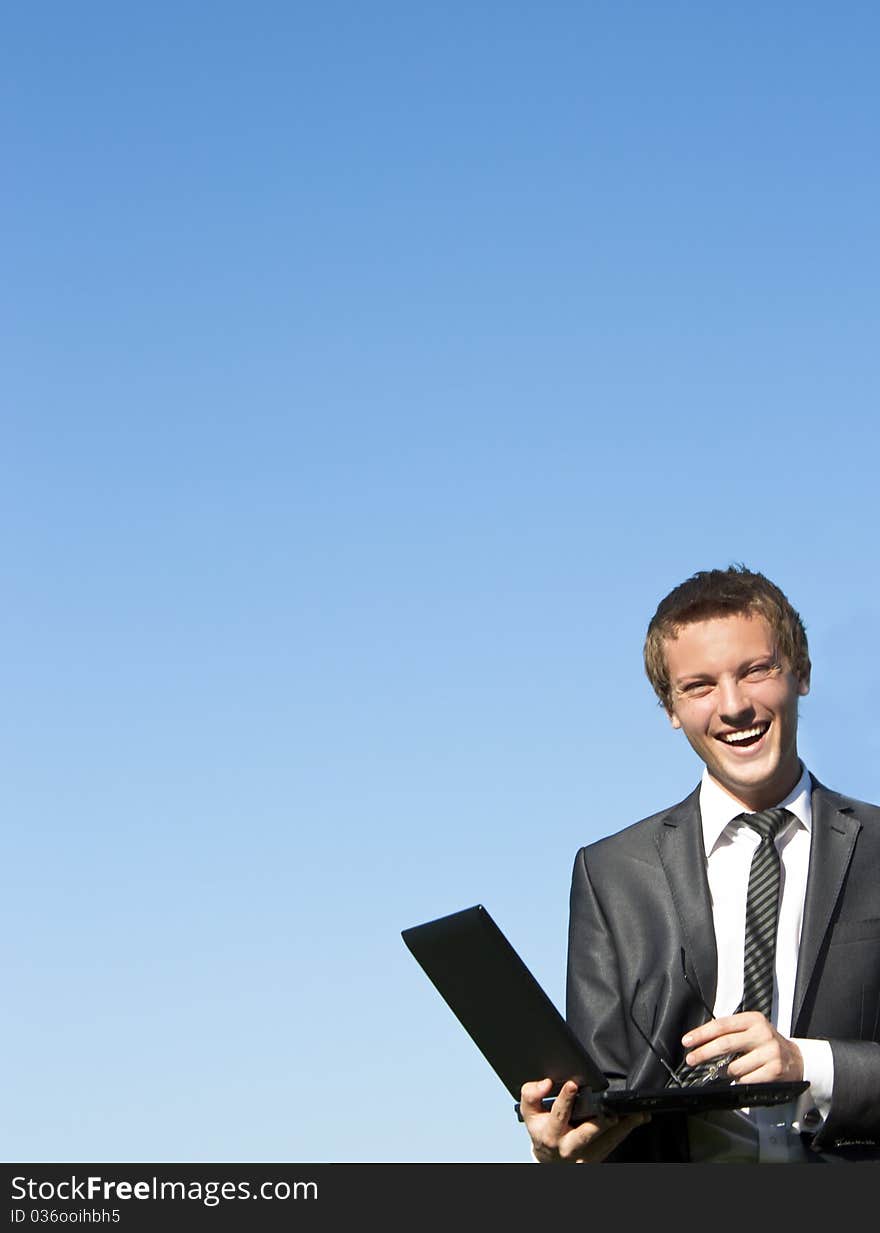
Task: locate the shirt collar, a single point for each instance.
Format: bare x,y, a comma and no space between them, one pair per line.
718,808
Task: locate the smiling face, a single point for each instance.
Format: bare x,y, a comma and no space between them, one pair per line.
735,698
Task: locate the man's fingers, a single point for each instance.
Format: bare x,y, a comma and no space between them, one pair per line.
600,1141
728,1034
768,1063
563,1104
750,1067
555,1139
581,1142
550,1124
532,1094
745,1021
717,1048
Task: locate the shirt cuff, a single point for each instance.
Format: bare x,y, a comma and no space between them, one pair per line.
814,1104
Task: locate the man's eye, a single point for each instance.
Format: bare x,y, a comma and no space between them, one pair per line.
759,671
696,689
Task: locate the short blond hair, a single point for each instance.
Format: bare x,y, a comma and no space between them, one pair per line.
717,593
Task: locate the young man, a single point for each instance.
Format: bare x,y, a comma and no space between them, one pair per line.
669,917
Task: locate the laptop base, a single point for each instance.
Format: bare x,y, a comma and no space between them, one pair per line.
697,1099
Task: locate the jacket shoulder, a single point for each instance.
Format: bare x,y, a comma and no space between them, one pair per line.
642,833
863,810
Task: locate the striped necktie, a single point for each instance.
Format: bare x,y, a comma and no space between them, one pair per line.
762,910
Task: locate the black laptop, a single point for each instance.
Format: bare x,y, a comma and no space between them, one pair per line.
523,1037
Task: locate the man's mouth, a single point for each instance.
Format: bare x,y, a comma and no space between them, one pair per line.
743,737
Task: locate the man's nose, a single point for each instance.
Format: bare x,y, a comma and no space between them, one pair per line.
732,698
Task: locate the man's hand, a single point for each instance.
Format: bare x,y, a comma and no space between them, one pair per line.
763,1055
555,1141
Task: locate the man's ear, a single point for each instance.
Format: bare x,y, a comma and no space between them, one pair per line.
673,718
804,683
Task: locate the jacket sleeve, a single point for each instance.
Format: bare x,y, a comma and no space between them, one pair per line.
854,1117
597,1010
594,1005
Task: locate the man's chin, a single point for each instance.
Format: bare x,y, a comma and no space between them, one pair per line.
744,783
756,786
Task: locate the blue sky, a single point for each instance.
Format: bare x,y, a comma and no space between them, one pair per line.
370,373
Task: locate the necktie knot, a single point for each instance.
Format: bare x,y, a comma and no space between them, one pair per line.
767,822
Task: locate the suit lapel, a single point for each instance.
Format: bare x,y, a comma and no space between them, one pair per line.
679,840
834,830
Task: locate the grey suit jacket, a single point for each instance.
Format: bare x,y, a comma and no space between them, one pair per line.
640,896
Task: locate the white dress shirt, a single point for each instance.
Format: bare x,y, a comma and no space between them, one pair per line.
766,1134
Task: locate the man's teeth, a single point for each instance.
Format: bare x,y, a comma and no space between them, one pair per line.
747,734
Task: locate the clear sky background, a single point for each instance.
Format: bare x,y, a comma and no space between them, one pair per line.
370,371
